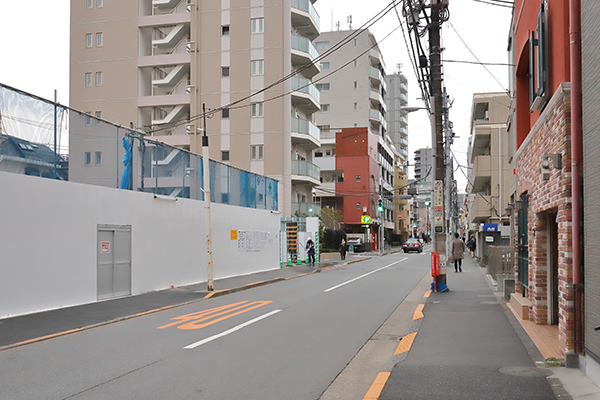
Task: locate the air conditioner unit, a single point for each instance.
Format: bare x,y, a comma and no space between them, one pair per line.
190,47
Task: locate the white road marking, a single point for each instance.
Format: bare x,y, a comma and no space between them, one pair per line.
227,332
362,276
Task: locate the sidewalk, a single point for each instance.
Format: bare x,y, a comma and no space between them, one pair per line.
21,330
468,345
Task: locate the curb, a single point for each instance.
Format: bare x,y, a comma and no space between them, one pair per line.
208,295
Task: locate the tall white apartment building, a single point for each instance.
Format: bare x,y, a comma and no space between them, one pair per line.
397,120
155,63
354,97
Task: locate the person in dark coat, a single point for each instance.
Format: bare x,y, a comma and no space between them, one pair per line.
343,249
310,248
458,252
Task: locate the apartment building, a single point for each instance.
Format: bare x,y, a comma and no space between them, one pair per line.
353,97
396,98
489,183
420,188
158,63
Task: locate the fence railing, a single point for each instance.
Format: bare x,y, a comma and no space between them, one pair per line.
42,138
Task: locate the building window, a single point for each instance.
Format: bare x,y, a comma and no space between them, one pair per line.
355,63
99,3
324,107
224,71
224,198
321,45
257,109
480,112
322,86
355,42
88,79
257,67
89,3
355,106
225,113
98,157
257,152
328,152
225,30
355,85
88,119
225,155
357,178
99,39
258,25
98,78
318,154
88,158
88,40
98,115
358,206
325,65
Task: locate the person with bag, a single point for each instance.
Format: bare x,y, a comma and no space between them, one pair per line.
343,249
458,252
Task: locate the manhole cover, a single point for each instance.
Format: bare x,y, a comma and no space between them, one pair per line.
525,371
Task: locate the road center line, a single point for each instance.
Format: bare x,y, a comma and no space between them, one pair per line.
362,276
227,332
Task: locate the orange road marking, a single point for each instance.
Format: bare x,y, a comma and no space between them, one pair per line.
255,283
208,296
193,320
405,343
419,312
427,293
377,386
47,337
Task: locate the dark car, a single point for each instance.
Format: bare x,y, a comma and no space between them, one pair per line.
412,244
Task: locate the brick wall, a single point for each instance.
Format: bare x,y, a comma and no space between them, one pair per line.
550,135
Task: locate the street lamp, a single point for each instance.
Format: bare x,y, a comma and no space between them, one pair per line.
408,109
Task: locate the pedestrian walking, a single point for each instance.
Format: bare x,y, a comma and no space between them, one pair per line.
343,249
458,252
310,249
472,245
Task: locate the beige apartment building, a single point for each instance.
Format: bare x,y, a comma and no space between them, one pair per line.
155,63
491,181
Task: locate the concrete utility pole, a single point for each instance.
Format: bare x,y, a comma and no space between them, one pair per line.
208,226
437,136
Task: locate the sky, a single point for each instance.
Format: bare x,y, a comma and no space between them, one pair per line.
41,66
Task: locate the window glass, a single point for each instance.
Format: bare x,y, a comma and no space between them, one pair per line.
257,109
257,67
257,25
88,119
355,84
225,155
88,158
357,178
324,107
224,71
225,113
321,45
98,157
89,3
88,79
325,65
99,3
322,86
88,40
98,78
99,39
225,30
257,152
98,114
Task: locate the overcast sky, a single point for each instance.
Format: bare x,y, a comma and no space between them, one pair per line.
34,38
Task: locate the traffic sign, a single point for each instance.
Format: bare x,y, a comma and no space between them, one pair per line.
365,219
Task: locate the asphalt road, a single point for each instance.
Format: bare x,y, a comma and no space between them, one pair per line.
287,340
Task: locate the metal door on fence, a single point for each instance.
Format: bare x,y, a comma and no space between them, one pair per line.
523,250
114,261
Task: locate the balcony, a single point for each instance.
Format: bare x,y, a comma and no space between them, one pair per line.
305,18
309,209
377,117
325,190
305,133
303,54
305,95
305,172
377,78
480,208
376,97
325,163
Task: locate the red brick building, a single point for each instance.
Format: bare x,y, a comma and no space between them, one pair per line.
540,131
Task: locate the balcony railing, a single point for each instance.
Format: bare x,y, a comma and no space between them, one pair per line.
306,6
306,86
303,44
305,127
305,168
309,209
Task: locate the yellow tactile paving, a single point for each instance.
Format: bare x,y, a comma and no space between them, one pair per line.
405,343
377,386
418,312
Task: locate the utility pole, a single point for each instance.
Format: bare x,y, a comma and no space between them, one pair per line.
206,170
437,137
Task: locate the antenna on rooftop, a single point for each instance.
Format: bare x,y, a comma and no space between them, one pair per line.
350,21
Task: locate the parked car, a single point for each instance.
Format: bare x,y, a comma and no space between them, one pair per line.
412,244
358,244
